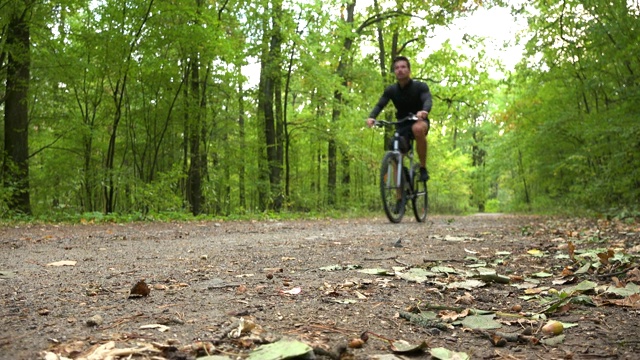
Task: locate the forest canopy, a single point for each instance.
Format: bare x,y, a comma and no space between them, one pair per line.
148,106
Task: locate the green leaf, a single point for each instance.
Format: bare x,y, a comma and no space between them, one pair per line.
568,325
283,349
331,268
581,287
444,269
485,322
535,252
7,274
542,274
417,275
584,268
377,271
553,341
446,354
628,290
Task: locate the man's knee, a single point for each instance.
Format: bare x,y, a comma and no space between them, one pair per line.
420,128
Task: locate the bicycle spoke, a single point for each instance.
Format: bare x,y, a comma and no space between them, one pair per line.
390,189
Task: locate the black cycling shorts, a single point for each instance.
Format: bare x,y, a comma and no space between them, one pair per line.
404,129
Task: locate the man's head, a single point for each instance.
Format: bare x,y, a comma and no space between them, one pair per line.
402,68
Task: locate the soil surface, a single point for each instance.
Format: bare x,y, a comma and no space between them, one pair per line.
481,285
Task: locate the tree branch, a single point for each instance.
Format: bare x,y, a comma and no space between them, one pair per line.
381,17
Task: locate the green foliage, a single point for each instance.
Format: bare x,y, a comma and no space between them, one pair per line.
572,117
450,185
561,134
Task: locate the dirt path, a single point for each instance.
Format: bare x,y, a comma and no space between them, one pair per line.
322,282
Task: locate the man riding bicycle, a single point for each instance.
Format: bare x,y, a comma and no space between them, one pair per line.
409,97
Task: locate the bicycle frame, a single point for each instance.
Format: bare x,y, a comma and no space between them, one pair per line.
397,181
396,150
400,156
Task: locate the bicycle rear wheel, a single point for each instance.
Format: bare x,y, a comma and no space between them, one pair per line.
420,200
393,198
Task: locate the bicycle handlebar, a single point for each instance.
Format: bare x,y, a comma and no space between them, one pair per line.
381,123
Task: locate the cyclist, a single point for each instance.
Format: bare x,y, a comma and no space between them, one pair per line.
409,97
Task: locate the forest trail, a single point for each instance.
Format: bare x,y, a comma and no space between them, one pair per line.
481,285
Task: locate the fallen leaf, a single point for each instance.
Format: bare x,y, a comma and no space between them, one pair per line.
485,322
7,274
449,315
542,274
535,252
634,275
584,268
466,299
467,285
63,263
404,347
140,289
283,349
417,275
586,285
628,290
446,354
376,271
534,291
553,341
159,327
605,256
566,272
293,291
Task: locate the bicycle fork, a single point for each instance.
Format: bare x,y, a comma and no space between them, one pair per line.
398,172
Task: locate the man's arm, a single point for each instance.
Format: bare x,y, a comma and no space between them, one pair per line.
382,102
425,97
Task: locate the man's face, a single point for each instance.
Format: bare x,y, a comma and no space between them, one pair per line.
401,69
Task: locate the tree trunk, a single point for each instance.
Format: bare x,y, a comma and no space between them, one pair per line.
194,175
270,86
16,115
524,178
197,134
241,131
332,177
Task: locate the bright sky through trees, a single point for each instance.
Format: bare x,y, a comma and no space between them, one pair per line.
496,25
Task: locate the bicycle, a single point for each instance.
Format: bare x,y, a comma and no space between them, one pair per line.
400,183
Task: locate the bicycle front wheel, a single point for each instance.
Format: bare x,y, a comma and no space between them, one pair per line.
420,200
393,198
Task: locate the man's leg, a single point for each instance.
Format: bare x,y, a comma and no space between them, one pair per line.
420,130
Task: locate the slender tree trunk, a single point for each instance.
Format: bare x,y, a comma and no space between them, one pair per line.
332,177
16,115
197,132
241,130
332,170
194,175
276,177
524,179
268,103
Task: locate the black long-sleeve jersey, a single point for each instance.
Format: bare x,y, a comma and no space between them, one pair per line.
412,98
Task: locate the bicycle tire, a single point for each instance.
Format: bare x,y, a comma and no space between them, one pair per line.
420,198
389,188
